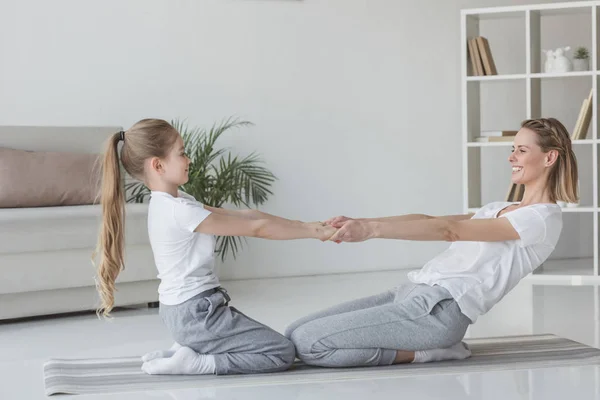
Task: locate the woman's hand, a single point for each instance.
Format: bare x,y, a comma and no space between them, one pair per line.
323,232
337,222
354,231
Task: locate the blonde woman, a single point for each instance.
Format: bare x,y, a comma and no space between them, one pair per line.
211,337
492,250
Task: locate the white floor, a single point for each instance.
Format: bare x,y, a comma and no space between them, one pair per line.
569,311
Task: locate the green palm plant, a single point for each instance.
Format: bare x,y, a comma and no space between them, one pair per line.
216,177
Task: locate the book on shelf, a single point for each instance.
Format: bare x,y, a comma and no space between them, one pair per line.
486,56
473,58
498,133
489,139
515,192
583,120
480,54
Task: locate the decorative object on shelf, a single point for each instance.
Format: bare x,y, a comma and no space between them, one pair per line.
549,63
581,59
480,54
561,62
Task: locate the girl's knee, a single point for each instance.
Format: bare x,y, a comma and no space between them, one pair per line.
285,355
289,354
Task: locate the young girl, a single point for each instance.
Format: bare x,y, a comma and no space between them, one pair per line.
211,337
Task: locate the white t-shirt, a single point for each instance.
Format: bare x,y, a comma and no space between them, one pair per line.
479,274
184,258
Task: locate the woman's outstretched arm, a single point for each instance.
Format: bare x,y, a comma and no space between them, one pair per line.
339,221
432,229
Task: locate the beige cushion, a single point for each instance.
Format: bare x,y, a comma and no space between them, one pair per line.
46,179
28,230
48,248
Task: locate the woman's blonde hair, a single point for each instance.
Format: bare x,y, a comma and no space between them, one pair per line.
563,179
146,139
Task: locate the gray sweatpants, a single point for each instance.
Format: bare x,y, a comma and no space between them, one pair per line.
369,331
240,345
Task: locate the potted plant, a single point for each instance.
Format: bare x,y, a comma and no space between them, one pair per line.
216,177
581,59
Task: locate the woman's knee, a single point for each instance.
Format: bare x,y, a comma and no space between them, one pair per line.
295,325
289,330
307,343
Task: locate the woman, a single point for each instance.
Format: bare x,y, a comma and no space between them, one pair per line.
492,250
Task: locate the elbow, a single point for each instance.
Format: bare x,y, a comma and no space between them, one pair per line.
449,231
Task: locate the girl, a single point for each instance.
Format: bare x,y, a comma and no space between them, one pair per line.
211,337
426,319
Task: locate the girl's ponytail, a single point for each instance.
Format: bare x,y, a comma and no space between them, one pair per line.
110,242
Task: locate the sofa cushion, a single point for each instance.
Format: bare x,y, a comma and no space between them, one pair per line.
59,228
44,179
50,270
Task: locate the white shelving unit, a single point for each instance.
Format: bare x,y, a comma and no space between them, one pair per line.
579,271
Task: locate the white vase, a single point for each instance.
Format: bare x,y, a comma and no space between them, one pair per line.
580,64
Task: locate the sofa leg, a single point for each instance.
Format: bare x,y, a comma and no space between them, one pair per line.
153,304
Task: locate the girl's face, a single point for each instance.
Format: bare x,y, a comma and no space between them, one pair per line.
175,165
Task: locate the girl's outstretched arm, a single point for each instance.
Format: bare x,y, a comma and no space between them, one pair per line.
249,213
225,224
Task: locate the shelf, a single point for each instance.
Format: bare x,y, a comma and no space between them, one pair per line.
570,9
543,75
537,75
489,144
575,271
508,144
577,7
568,266
564,209
579,209
487,78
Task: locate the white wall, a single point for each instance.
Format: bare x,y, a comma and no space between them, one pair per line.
356,103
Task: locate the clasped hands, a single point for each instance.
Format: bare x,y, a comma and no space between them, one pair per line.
344,229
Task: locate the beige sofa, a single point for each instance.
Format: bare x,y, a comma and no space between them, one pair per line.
45,252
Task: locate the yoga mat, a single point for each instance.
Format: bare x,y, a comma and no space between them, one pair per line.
123,374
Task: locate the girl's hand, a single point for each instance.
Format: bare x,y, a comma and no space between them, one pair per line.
353,231
323,232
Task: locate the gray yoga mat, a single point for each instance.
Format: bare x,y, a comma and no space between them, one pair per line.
123,374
